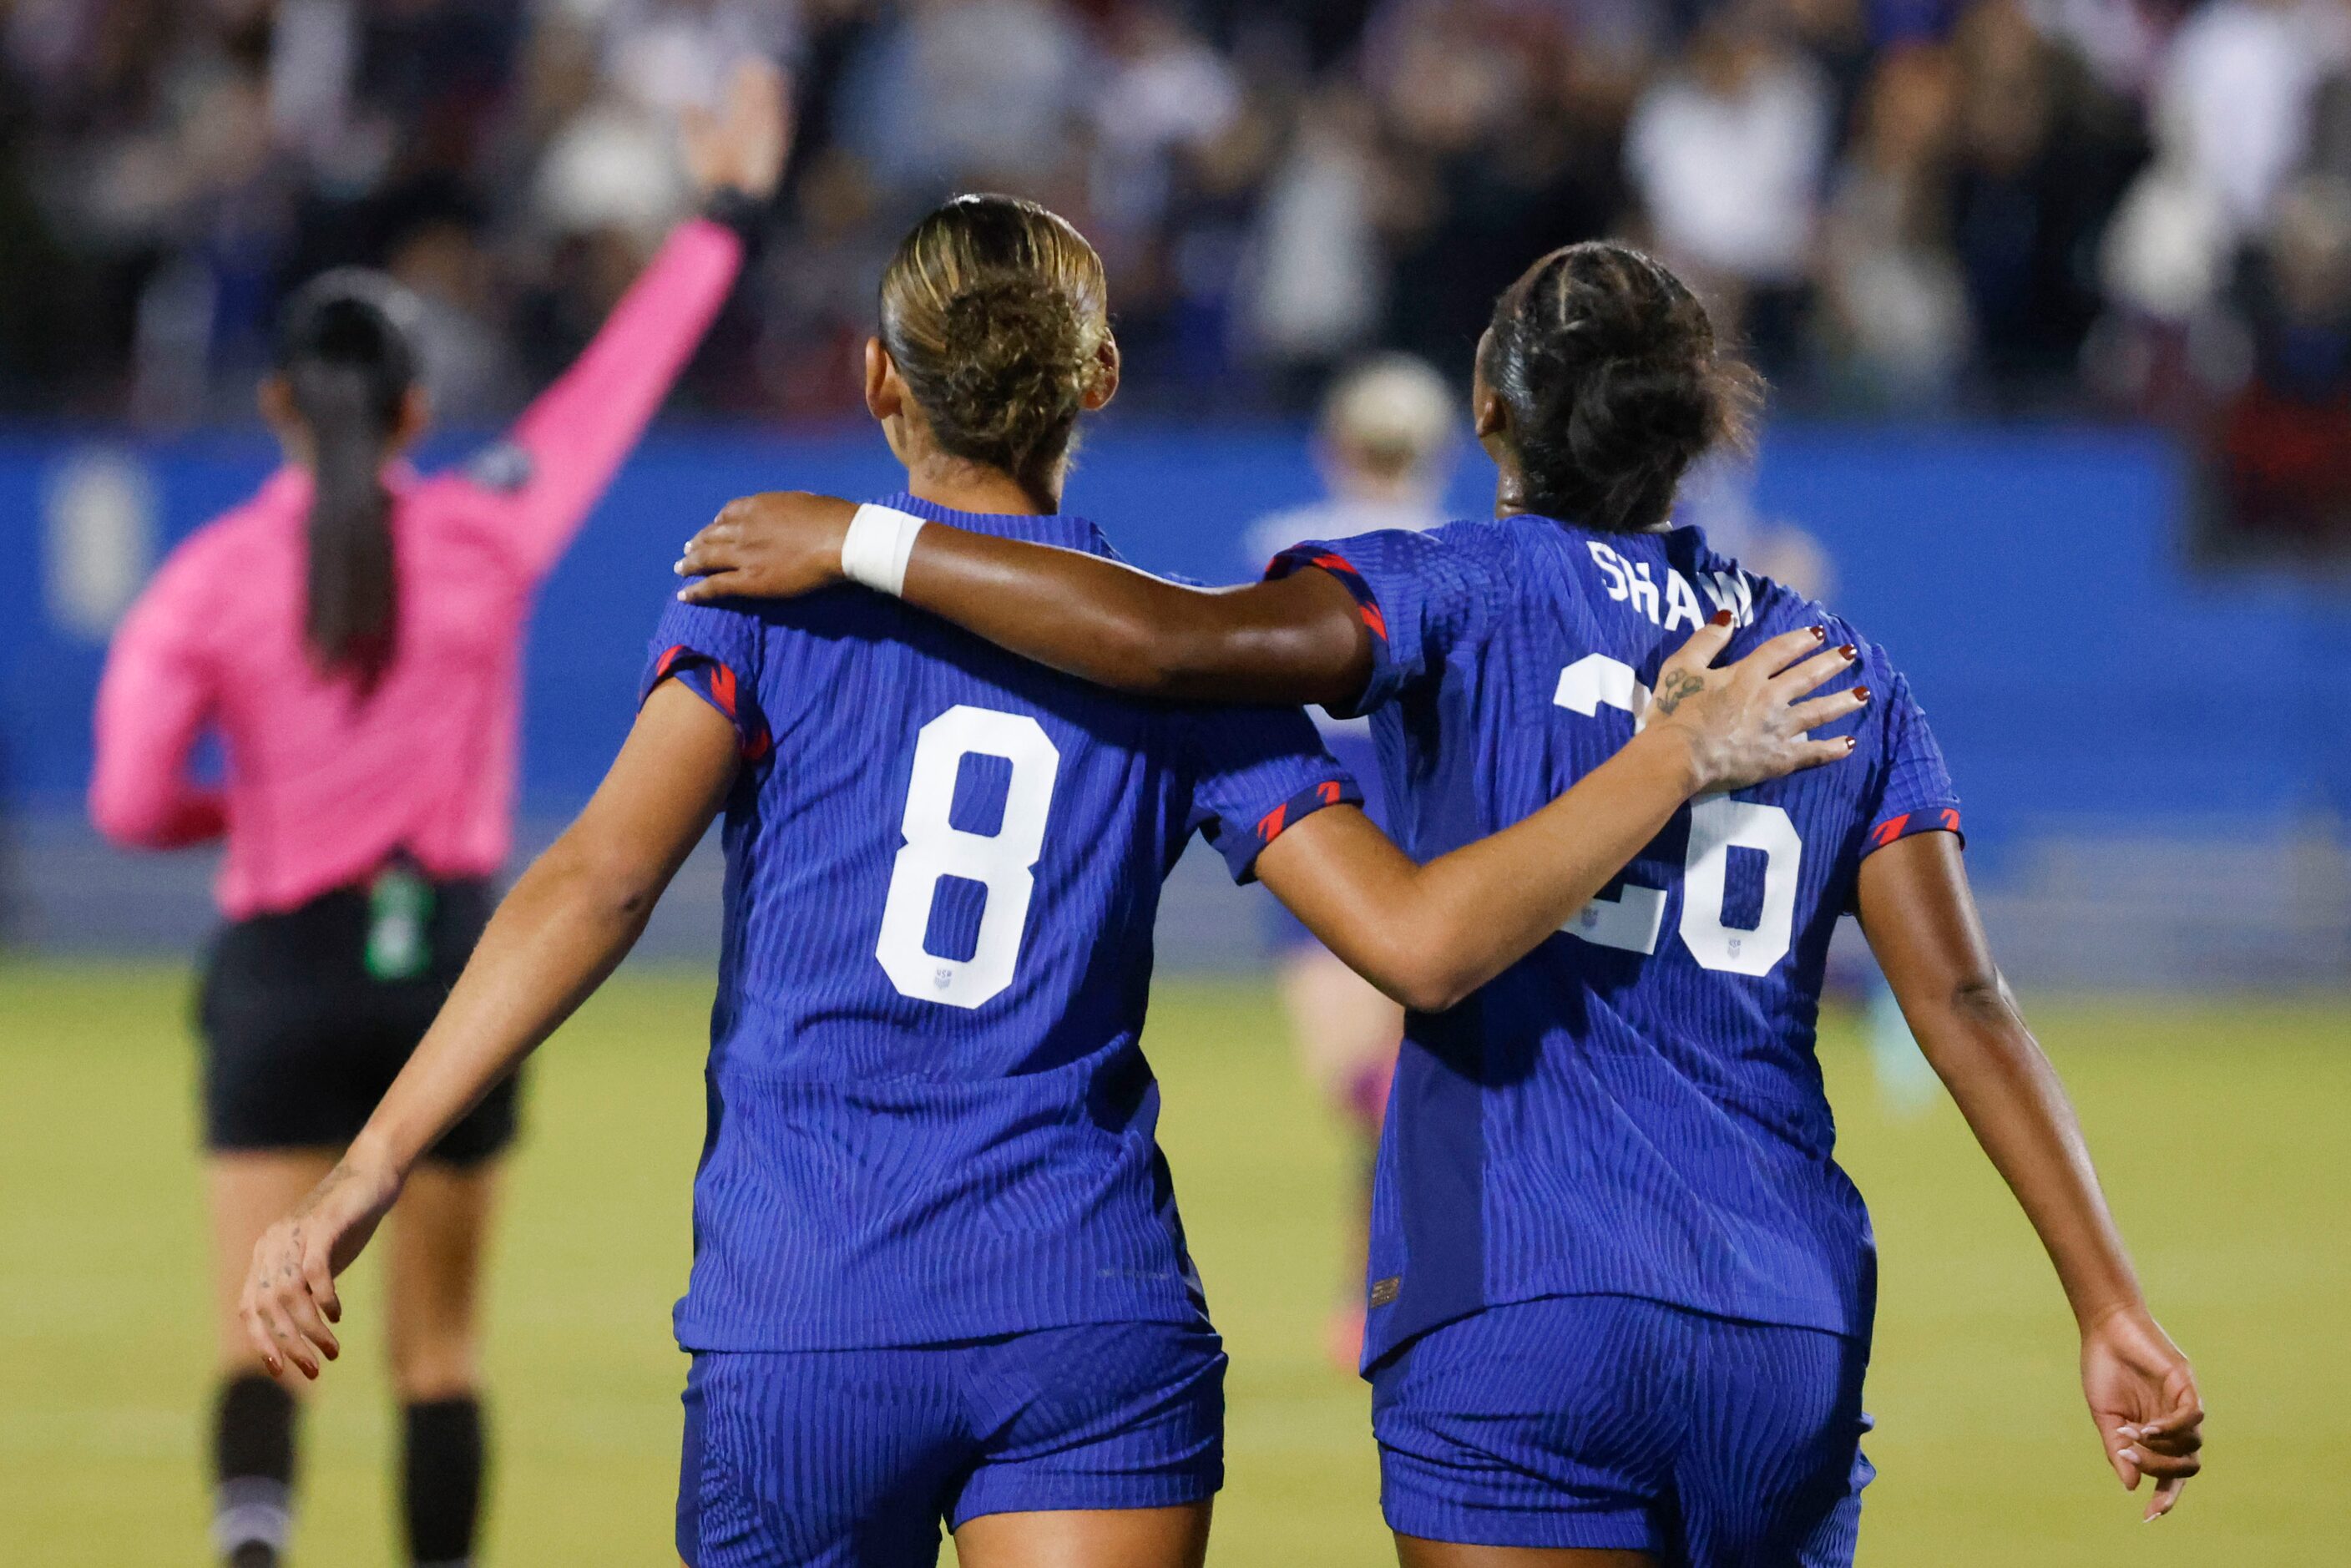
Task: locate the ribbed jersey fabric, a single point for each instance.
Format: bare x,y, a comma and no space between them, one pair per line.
1635,1108
930,1117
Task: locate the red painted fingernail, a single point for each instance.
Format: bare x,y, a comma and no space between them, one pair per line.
1850,742
1847,650
1721,618
1820,633
1861,694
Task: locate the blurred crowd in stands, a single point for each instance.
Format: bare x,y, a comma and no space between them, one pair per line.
1911,206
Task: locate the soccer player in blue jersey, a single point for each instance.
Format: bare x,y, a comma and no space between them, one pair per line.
1620,1294
939,1272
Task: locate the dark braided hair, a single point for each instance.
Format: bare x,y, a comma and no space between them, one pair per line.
1614,384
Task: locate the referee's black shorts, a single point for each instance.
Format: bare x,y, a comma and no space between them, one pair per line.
300,1042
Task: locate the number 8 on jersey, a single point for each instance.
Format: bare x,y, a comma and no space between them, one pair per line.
1002,863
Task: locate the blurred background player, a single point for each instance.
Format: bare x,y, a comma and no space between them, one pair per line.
938,1272
1385,447
352,637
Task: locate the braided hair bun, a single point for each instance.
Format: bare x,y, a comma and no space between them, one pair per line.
1614,384
995,311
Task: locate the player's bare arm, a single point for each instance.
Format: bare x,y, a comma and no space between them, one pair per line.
1299,639
569,922
1428,935
1425,935
1921,922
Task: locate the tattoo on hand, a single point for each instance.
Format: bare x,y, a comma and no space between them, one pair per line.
1676,685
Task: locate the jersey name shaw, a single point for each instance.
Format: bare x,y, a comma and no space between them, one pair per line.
1633,1108
1673,607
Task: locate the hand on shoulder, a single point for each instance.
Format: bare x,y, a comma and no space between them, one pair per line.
778,545
1744,723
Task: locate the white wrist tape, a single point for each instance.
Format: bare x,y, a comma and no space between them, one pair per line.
875,548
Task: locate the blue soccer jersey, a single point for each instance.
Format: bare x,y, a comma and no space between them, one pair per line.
930,1118
1635,1108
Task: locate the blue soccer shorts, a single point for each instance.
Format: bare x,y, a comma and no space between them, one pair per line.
850,1458
1608,1422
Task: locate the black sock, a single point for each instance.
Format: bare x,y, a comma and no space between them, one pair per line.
253,1472
442,1480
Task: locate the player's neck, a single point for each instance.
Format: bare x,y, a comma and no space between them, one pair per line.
1511,500
975,487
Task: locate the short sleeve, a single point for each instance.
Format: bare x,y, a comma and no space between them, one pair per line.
1418,593
715,652
1256,772
1915,793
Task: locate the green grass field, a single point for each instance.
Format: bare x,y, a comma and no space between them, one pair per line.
2221,1127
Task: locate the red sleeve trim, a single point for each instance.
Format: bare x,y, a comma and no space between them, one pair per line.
719,685
1933,820
1367,604
1304,804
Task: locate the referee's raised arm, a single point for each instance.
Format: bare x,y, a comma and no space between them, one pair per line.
352,632
564,450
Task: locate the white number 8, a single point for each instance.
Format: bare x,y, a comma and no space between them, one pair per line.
1632,920
1001,861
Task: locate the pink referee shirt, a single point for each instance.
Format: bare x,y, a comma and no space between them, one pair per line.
323,785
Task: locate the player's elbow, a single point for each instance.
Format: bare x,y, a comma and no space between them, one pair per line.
1423,977
1418,952
1982,1000
1431,993
603,882
1972,1026
128,817
623,895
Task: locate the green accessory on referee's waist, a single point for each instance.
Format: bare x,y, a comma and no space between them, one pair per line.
400,923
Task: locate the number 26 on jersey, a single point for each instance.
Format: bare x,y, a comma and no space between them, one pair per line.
1634,919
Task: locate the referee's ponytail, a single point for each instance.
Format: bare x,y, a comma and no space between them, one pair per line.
347,364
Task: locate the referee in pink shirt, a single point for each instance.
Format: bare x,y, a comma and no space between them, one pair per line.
353,636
